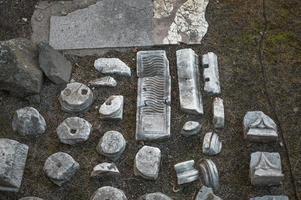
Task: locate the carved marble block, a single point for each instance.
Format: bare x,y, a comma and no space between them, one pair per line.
13,157
211,74
218,113
211,144
186,172
153,103
112,108
265,168
270,197
258,127
209,174
206,193
189,83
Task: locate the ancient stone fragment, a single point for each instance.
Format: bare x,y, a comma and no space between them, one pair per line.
147,162
105,168
206,193
270,197
13,157
218,113
30,198
54,65
186,172
20,73
155,196
153,101
191,128
108,193
211,74
76,97
60,168
112,66
112,144
209,174
258,127
112,108
189,83
163,8
266,169
28,121
107,81
74,130
211,144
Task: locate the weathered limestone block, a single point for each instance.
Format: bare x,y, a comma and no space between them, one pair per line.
211,144
155,196
76,97
20,73
258,127
112,145
206,193
28,121
13,157
209,174
266,169
147,162
30,198
153,101
189,83
186,172
191,128
112,66
112,108
211,74
54,65
104,169
60,168
74,130
108,193
218,113
270,197
106,81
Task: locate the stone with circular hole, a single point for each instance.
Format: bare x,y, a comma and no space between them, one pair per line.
111,145
74,130
76,97
108,193
60,168
112,108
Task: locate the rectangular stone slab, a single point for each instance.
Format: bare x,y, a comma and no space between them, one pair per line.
153,101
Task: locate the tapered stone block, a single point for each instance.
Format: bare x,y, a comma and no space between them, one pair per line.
218,113
211,74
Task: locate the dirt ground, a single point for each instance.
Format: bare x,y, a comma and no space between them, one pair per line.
259,52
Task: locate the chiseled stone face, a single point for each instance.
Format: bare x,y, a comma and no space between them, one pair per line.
147,162
211,144
186,172
211,74
112,108
154,196
112,66
108,193
270,197
13,157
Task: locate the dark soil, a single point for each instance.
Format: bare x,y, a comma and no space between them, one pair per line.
259,56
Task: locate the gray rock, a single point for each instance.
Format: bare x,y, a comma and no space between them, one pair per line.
191,128
218,113
189,83
211,74
74,130
28,121
54,65
155,196
258,127
186,173
112,66
266,169
112,108
147,162
76,97
105,168
270,197
112,145
30,198
206,193
211,144
209,174
108,193
20,73
13,157
153,101
60,168
107,81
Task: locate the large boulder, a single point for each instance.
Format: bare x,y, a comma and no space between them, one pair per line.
20,73
55,66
